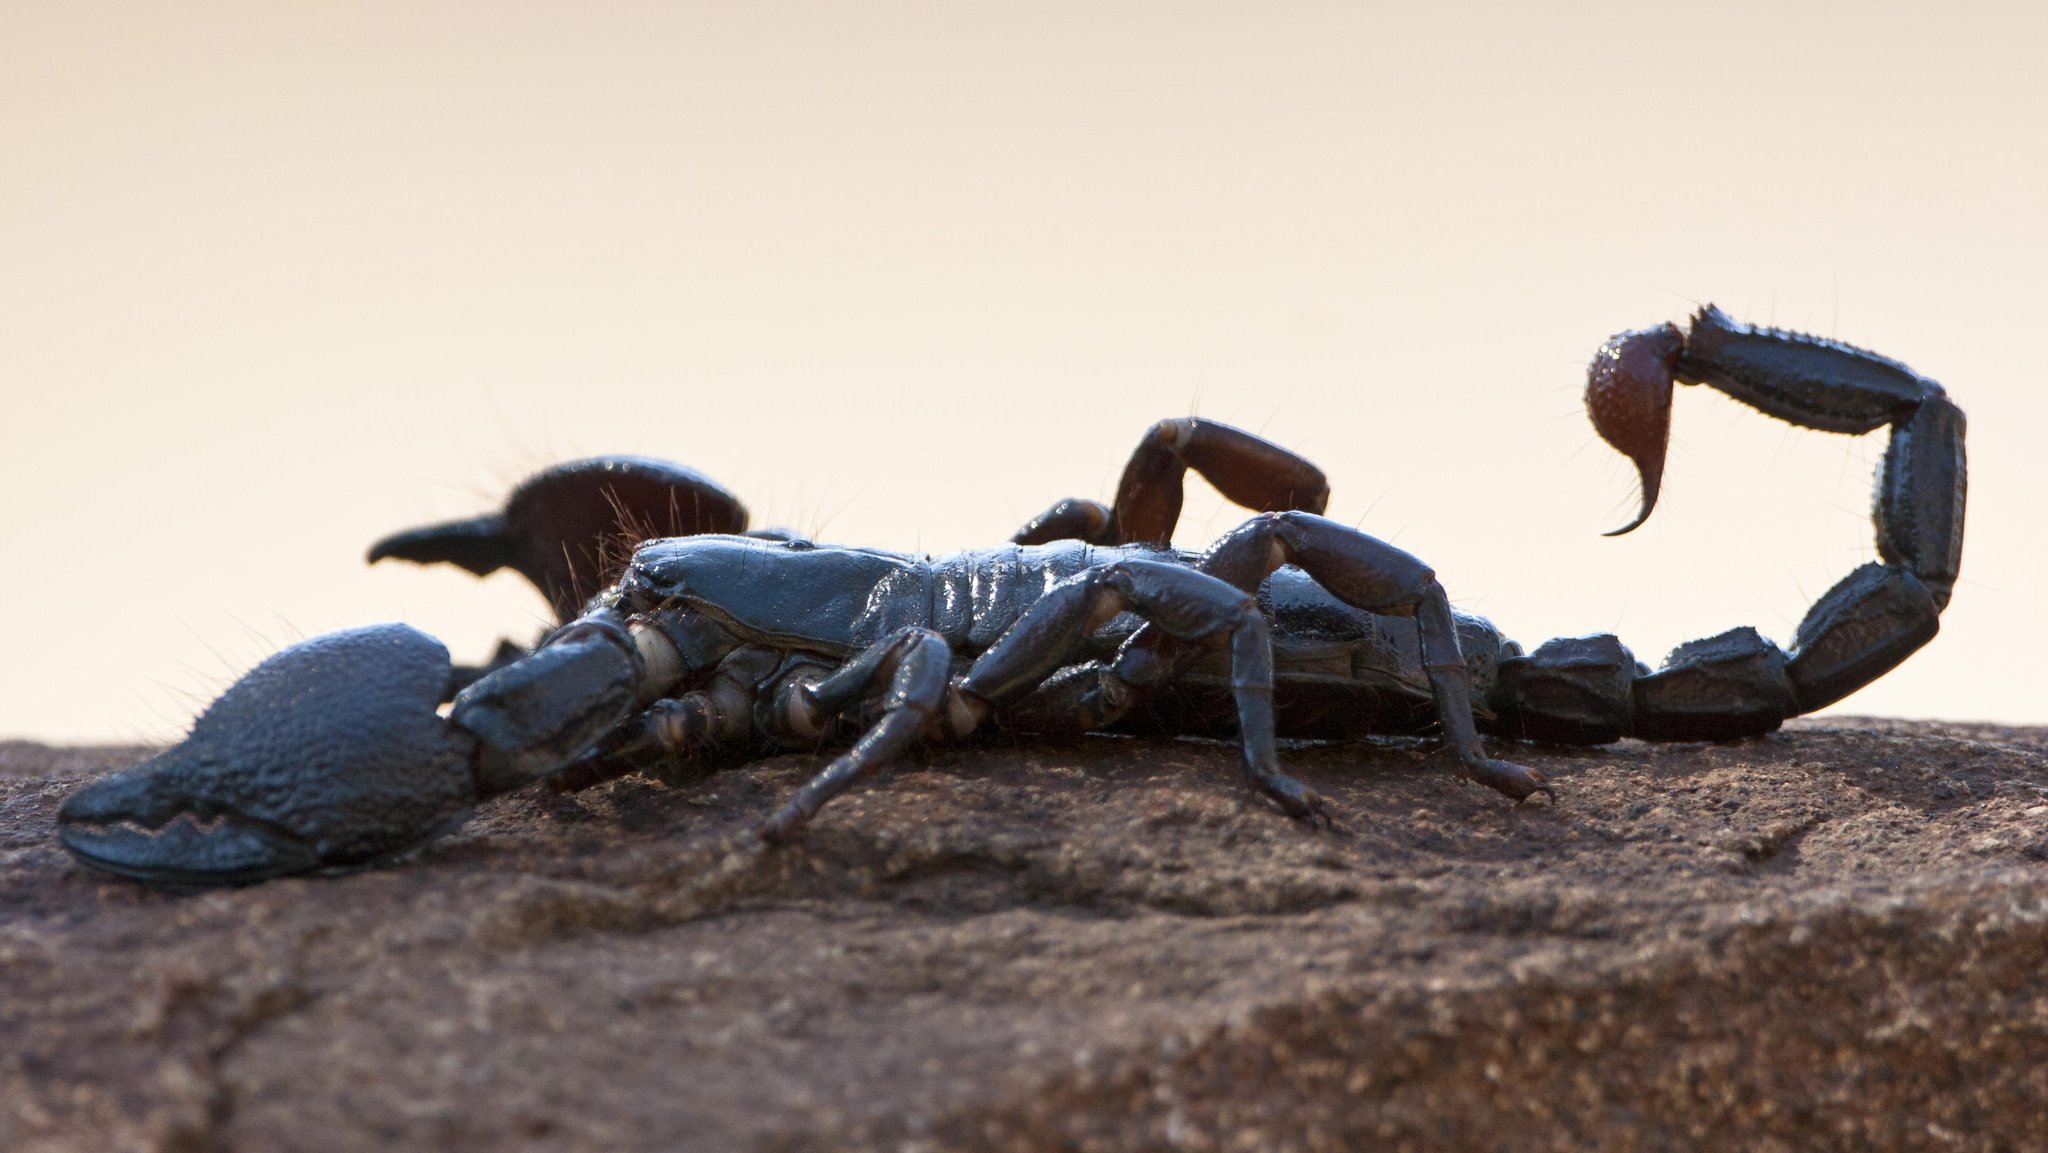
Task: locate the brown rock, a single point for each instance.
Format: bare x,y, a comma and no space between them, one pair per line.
1833,937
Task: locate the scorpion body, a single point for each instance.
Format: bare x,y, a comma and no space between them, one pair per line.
710,642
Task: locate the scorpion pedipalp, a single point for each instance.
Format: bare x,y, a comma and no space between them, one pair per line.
333,754
570,528
328,754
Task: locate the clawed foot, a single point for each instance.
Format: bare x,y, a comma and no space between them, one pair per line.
1315,812
1518,782
1296,800
779,828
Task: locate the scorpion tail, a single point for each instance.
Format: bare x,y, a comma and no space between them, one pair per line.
1592,689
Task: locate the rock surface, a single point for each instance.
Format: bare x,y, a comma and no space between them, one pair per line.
1833,937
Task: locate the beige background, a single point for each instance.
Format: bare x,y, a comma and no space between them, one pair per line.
278,278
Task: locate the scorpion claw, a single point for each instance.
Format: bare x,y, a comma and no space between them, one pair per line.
102,828
1628,395
567,527
329,754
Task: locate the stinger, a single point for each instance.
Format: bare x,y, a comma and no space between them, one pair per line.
1628,395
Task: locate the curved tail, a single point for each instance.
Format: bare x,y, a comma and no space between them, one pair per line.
1592,689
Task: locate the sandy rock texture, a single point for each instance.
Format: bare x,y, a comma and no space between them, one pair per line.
1835,937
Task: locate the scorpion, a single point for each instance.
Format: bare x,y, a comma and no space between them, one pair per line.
361,746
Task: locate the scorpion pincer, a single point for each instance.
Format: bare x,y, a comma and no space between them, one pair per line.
687,638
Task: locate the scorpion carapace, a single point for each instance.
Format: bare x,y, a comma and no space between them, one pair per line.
711,643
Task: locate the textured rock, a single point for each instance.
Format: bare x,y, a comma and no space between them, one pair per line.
1833,937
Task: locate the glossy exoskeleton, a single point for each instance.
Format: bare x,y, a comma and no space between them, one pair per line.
706,641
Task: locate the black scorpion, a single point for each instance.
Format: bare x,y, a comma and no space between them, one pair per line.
711,641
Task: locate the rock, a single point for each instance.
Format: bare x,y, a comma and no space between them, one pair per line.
1832,937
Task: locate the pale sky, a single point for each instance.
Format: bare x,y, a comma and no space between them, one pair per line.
276,279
